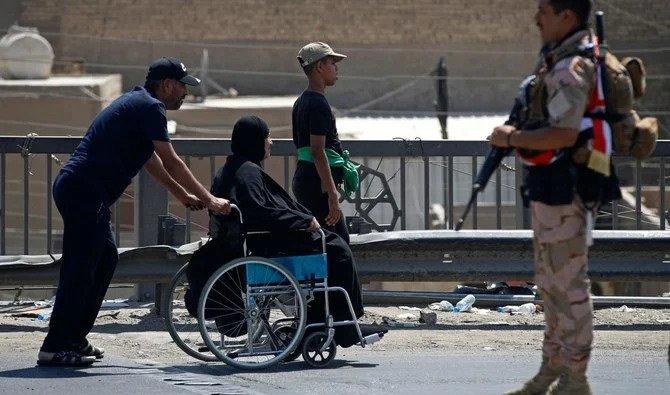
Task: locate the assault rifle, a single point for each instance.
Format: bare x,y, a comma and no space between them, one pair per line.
493,159
602,52
496,155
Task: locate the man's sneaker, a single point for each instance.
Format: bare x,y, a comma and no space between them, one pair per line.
569,384
539,384
91,351
63,358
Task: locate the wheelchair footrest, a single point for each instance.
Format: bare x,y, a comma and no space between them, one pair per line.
373,338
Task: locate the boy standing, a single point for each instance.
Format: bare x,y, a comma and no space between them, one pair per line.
322,163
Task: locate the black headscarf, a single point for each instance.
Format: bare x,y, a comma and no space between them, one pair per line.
248,138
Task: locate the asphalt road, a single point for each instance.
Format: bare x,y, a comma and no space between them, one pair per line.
356,371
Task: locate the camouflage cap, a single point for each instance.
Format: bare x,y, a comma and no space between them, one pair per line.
316,51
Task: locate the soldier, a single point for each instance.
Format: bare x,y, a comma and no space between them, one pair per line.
558,97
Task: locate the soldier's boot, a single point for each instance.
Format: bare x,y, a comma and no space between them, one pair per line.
539,384
570,384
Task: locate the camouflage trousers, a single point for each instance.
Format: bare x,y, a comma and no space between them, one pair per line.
561,275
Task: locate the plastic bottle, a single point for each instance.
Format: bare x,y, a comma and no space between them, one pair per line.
464,304
442,306
508,309
527,308
45,316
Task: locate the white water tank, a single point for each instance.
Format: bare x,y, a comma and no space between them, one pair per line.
24,54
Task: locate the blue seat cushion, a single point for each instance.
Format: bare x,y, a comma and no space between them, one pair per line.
303,267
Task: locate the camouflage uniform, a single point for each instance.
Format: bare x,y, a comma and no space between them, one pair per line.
560,233
560,274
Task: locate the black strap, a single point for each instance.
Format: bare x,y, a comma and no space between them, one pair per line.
605,116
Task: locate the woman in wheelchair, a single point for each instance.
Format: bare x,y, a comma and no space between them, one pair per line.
266,206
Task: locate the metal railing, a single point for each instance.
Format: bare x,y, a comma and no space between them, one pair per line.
468,255
424,173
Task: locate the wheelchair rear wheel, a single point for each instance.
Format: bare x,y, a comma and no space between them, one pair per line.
182,327
245,308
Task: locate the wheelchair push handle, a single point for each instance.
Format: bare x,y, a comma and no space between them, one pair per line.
323,240
233,207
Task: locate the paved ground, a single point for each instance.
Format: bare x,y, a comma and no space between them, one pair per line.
115,375
468,354
370,372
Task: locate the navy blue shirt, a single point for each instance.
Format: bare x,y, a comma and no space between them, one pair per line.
119,142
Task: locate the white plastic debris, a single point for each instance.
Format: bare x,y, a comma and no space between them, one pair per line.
45,303
442,306
465,304
625,309
525,309
44,315
115,303
409,308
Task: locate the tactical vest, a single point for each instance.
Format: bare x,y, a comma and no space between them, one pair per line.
626,81
550,176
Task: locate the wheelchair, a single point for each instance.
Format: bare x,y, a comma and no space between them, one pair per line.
252,312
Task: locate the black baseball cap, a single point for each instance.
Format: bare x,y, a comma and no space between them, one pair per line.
171,68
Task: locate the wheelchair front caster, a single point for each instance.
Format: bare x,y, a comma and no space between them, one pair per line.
311,350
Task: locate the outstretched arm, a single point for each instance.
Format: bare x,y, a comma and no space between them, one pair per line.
178,170
154,166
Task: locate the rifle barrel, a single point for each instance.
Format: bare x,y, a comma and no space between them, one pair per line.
600,27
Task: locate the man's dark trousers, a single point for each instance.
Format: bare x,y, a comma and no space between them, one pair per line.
307,190
89,259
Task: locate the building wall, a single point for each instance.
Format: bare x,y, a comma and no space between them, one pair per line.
10,13
375,22
488,44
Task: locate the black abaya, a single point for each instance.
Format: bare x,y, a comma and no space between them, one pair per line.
266,206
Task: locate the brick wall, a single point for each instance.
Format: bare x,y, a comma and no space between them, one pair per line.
387,40
374,22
